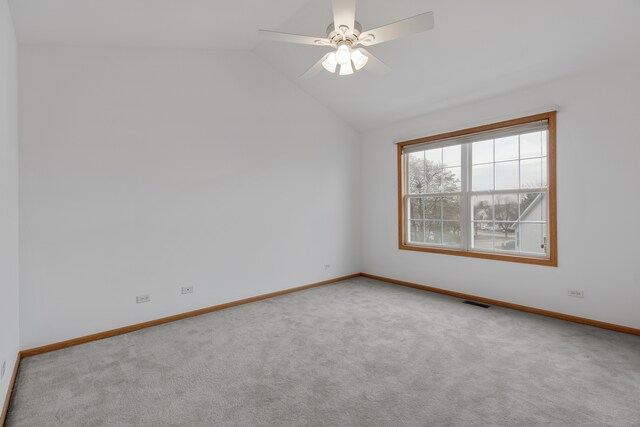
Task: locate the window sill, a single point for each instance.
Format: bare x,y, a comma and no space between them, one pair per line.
549,262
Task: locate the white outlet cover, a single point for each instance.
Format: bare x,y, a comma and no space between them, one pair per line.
575,293
143,298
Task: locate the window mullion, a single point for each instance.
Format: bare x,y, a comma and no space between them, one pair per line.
405,200
465,223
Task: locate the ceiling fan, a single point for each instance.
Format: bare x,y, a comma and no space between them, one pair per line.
345,34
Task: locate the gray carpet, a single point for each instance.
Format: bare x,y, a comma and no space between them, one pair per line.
357,353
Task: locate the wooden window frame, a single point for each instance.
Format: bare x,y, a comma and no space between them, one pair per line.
552,260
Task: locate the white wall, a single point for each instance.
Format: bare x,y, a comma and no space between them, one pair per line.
9,336
598,205
144,170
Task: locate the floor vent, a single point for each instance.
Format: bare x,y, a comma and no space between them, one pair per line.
477,304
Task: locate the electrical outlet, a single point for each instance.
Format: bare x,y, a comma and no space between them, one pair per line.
2,369
575,293
187,290
143,298
327,266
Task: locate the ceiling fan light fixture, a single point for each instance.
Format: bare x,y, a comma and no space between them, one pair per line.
330,63
359,59
346,69
345,33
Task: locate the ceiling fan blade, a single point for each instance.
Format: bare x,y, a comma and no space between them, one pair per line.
344,13
374,65
315,68
406,27
275,36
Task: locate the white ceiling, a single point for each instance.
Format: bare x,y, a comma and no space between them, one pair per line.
478,48
148,23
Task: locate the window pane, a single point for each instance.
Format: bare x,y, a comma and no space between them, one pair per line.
452,179
531,173
506,207
434,157
505,235
452,155
532,238
451,208
482,235
416,208
482,152
432,208
434,178
417,231
506,148
433,232
531,145
506,175
482,177
482,207
417,180
533,207
451,235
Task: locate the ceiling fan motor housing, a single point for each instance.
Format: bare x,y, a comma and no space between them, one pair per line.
343,33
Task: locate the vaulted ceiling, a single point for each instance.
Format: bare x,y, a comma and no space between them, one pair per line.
230,24
477,49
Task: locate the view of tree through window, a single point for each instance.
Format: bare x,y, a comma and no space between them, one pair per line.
434,179
485,194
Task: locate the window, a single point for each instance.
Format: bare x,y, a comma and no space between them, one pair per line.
485,192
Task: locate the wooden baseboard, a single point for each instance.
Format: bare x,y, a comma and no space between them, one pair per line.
131,328
5,407
568,317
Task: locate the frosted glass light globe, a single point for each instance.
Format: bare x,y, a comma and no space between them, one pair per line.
359,59
346,69
343,54
330,63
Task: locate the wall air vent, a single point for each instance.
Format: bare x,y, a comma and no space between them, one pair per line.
477,304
